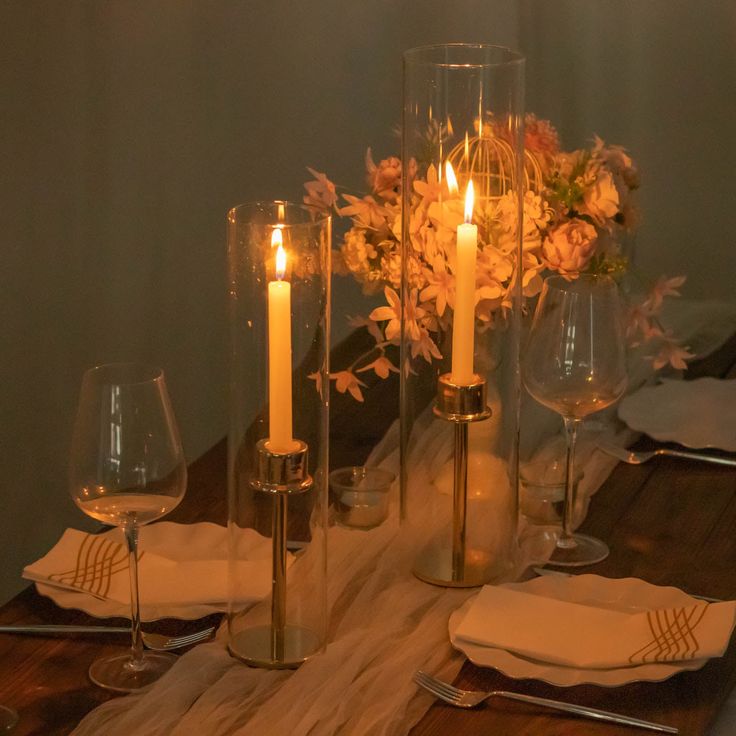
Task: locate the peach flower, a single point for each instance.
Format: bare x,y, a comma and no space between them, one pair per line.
569,247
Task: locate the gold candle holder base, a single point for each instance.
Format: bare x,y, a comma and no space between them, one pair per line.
434,565
456,566
278,645
254,646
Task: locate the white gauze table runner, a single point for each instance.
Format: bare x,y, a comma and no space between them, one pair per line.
384,624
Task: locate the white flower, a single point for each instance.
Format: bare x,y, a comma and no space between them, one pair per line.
391,269
428,190
618,162
384,179
663,287
425,346
445,217
390,313
531,280
369,324
569,247
440,285
671,353
347,381
381,365
493,265
366,212
320,192
356,252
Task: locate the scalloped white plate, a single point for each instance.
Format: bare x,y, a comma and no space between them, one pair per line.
699,413
625,594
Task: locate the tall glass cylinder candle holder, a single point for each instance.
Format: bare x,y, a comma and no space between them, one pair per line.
279,279
463,184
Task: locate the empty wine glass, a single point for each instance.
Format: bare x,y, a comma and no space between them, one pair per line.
575,364
127,469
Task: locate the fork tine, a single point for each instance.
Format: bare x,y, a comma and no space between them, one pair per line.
198,635
180,641
436,693
451,689
437,687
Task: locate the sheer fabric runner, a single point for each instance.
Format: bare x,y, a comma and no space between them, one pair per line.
384,625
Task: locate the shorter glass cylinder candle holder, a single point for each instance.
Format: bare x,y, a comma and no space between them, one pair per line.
279,276
361,496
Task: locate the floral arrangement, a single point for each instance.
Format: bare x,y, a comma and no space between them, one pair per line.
573,223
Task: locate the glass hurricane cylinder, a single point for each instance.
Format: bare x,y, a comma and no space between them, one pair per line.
462,193
279,279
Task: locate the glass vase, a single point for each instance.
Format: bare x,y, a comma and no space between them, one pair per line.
462,192
279,279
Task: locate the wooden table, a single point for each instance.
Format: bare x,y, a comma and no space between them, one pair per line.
669,522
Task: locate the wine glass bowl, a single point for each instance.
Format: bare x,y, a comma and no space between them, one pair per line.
127,469
575,364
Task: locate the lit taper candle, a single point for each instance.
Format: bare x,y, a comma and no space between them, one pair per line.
463,321
279,354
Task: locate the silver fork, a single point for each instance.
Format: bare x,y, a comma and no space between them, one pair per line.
471,698
156,642
634,457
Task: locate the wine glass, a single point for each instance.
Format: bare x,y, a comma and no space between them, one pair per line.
575,365
127,469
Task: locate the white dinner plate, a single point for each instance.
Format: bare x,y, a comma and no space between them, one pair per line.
699,413
202,541
624,594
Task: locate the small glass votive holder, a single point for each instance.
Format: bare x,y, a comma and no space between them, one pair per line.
361,495
542,491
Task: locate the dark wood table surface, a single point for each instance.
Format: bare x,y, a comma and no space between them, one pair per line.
670,522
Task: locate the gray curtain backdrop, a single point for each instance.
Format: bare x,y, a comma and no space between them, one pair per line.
129,127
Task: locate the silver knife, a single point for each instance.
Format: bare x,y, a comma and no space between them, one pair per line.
63,629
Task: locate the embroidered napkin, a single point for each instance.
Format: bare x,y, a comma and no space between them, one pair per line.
97,565
588,637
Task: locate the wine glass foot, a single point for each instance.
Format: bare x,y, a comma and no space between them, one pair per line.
8,719
116,673
579,550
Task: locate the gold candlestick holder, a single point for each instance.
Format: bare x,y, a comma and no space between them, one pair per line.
279,645
458,566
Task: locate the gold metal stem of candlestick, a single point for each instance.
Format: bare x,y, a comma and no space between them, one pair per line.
457,567
459,501
278,586
279,645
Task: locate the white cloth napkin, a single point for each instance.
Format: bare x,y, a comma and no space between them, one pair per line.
97,565
588,637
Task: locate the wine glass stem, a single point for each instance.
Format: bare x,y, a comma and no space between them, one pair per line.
136,648
571,432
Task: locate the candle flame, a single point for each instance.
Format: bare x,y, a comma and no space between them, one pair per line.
467,148
469,201
277,241
450,176
280,262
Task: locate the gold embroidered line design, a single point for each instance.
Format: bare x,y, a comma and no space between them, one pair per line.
673,635
98,559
